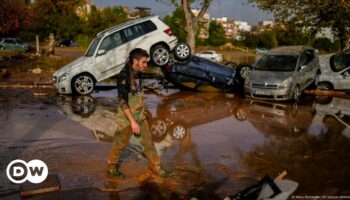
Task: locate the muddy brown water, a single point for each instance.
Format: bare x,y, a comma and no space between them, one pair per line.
216,144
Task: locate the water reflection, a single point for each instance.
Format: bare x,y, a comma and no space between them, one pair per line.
282,119
306,139
319,162
171,122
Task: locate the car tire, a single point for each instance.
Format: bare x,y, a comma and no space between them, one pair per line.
83,105
158,129
244,71
178,132
325,86
182,52
160,55
232,65
83,84
296,93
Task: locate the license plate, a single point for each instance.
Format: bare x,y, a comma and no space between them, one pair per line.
262,92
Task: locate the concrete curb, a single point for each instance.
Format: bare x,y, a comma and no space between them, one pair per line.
25,85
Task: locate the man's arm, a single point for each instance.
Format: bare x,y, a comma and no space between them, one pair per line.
123,99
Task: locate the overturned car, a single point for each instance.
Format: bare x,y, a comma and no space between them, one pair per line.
198,73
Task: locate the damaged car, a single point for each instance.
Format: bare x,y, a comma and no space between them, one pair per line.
108,52
198,73
335,71
283,73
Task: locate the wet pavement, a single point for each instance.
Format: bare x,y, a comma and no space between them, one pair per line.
216,144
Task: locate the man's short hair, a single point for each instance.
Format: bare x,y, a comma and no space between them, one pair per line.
138,53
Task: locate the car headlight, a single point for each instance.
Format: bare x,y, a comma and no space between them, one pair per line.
286,83
63,77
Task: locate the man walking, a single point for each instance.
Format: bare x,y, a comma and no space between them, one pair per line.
130,117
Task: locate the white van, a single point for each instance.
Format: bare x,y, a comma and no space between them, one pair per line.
107,54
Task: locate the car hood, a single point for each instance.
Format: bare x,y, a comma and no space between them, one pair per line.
259,76
83,60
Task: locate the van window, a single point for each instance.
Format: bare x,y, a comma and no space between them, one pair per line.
133,32
276,63
112,41
148,26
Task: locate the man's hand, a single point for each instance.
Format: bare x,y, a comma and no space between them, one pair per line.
135,127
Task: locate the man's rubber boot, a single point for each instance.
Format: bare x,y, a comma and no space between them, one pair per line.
115,173
159,171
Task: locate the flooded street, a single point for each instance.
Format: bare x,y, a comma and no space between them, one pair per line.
216,144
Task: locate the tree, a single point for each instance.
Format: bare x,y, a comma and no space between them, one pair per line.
176,22
312,15
14,15
192,20
216,34
57,16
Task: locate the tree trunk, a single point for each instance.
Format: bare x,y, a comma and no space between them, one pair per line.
191,35
192,21
344,37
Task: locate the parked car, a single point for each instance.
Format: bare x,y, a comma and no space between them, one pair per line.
14,44
283,73
197,73
66,42
261,50
335,71
211,55
108,52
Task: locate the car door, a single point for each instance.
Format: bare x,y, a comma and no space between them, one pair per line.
343,80
110,57
136,38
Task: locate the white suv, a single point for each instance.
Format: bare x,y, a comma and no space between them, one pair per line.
107,54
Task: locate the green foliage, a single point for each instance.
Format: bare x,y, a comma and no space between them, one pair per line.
325,44
56,16
177,22
216,34
313,15
267,39
84,40
14,17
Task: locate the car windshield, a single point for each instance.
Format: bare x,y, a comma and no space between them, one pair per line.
340,61
19,41
90,52
277,63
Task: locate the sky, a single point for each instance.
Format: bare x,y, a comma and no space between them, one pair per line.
233,9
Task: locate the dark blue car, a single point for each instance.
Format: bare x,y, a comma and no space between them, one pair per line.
197,73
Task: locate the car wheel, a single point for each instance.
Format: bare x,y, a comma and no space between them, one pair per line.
160,55
296,93
324,86
61,45
179,132
83,84
2,48
83,105
182,52
231,65
158,128
240,115
244,71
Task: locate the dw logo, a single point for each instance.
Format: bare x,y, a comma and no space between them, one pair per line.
35,171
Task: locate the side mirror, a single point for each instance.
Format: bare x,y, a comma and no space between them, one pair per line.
101,52
303,68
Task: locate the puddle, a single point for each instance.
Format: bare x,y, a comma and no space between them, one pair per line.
217,144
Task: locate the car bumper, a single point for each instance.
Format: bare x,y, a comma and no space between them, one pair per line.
269,94
63,87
